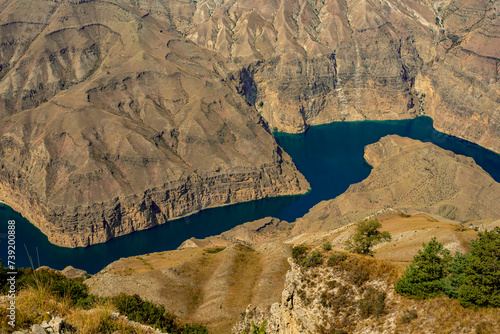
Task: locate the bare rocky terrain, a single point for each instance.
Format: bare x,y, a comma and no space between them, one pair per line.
414,177
112,123
119,115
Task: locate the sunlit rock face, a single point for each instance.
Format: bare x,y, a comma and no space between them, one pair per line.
112,123
117,116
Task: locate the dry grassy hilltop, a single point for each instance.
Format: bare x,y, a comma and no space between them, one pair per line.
119,115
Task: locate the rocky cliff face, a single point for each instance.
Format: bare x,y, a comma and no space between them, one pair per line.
110,110
351,294
112,124
305,63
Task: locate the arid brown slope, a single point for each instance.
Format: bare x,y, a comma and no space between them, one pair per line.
113,110
316,62
355,294
198,285
111,123
412,176
216,289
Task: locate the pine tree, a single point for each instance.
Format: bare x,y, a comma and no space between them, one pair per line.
425,276
482,273
457,275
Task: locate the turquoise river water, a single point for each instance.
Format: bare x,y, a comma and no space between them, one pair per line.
330,156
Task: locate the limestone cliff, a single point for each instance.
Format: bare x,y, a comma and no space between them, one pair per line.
111,124
305,63
351,294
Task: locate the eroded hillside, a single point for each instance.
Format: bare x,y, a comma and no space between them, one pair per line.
112,123
203,278
312,62
120,115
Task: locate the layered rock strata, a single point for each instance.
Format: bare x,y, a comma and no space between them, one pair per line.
111,124
304,63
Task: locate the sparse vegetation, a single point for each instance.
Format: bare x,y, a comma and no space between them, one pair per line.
336,259
214,250
327,246
305,259
372,303
45,291
136,309
367,235
298,252
258,329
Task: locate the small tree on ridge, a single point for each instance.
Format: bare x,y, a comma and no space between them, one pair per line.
367,235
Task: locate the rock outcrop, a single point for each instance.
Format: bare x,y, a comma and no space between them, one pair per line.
351,294
263,230
305,63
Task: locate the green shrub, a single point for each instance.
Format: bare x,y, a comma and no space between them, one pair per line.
145,312
87,303
61,286
258,329
214,250
315,259
75,290
336,259
21,277
298,252
303,258
137,309
372,303
194,329
327,246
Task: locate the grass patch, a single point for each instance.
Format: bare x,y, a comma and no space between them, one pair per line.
214,250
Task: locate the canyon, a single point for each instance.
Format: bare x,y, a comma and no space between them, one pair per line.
246,274
118,116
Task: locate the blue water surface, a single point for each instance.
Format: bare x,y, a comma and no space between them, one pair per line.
330,156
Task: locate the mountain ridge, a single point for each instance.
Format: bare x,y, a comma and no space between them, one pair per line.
104,103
